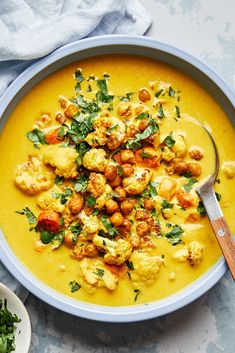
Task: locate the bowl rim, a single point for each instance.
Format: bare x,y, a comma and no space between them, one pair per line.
24,316
88,310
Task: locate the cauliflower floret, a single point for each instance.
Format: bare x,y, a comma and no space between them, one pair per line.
96,184
63,159
48,200
146,268
167,154
195,253
137,183
179,147
95,275
95,160
91,224
31,176
106,195
108,130
117,252
181,255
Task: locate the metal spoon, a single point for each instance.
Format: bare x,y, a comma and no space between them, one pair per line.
215,214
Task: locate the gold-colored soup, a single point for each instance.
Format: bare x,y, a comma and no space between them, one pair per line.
57,268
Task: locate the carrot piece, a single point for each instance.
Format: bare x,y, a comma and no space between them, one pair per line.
52,137
49,220
117,270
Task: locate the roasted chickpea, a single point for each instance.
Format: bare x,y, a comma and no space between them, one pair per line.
75,204
116,182
142,229
132,131
127,169
121,193
63,102
117,219
71,111
125,227
144,95
124,109
143,124
196,153
149,204
90,250
111,206
68,239
127,156
141,215
110,172
127,206
135,241
195,168
180,166
60,118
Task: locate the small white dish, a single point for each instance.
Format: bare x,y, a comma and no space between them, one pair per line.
23,328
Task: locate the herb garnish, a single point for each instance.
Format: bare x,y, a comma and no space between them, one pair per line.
7,328
149,131
190,184
81,183
166,204
142,116
126,98
29,214
108,225
37,136
102,95
74,286
158,93
130,265
177,109
169,141
201,209
174,236
171,92
91,200
99,272
160,112
137,291
82,148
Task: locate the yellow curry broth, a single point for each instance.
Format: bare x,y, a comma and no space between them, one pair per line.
128,74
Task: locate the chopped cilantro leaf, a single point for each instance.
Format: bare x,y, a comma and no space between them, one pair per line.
142,116
177,109
171,92
59,180
91,200
99,272
29,214
218,196
174,236
37,136
102,95
188,186
126,98
81,183
74,286
130,265
149,131
169,141
108,225
158,93
160,112
201,209
166,204
137,292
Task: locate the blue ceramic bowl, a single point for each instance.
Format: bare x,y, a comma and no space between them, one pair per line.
114,44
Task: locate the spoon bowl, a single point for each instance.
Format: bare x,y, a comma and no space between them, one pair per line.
219,225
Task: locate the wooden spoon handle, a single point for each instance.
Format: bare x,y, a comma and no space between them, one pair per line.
220,227
224,237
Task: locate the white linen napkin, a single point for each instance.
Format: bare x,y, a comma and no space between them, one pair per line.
30,29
